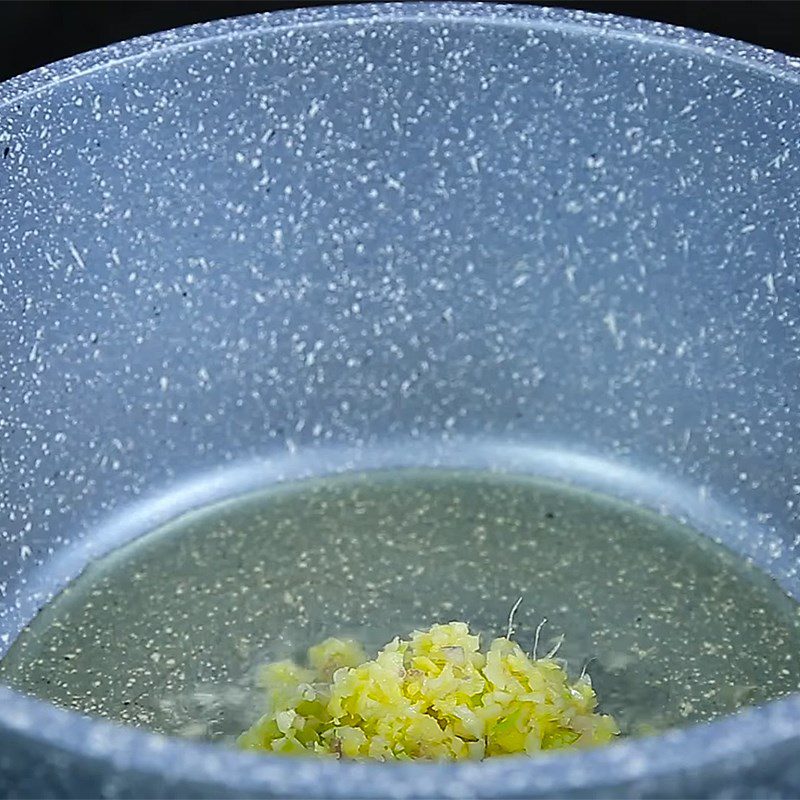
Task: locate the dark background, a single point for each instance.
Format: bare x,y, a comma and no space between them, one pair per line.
36,32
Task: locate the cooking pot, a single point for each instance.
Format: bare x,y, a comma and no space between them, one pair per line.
386,235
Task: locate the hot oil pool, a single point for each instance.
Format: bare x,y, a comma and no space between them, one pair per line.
167,632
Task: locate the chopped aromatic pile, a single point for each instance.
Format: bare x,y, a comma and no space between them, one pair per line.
432,696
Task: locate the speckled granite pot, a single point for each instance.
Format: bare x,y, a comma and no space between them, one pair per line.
273,239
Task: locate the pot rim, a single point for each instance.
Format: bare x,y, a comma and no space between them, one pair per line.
698,747
776,65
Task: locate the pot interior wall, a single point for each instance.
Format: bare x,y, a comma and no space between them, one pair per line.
303,249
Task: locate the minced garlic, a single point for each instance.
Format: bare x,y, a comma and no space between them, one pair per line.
432,696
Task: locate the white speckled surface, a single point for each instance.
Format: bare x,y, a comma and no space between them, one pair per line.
288,241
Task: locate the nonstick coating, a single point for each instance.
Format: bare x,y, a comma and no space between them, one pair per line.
482,236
